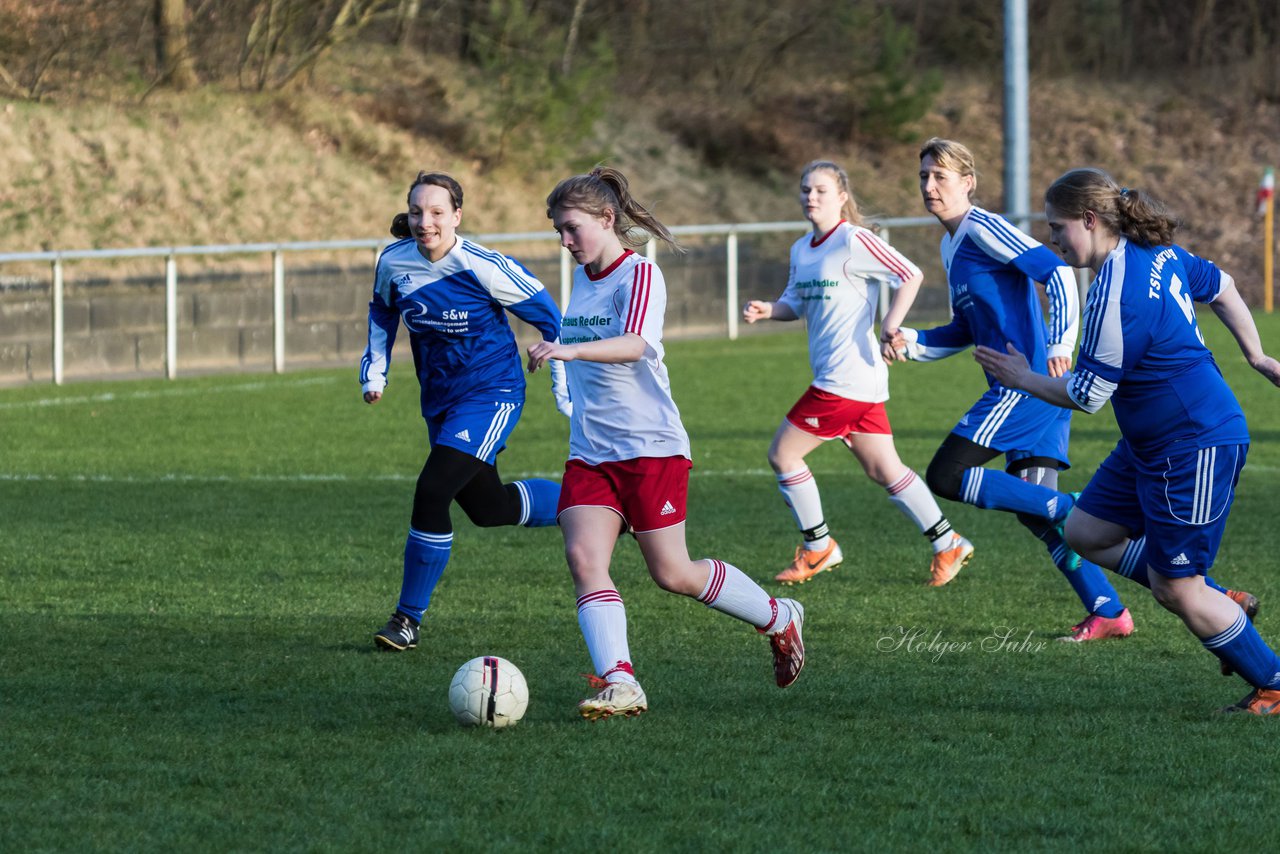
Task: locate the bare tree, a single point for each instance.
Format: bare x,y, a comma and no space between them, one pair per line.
406,16
285,37
173,55
571,42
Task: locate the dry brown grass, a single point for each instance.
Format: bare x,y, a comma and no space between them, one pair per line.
331,161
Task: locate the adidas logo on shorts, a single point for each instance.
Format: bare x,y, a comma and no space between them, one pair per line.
1181,560
464,436
667,509
812,422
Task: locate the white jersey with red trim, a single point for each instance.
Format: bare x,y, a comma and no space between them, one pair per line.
621,411
835,286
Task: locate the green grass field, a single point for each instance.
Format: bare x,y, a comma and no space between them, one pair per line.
191,573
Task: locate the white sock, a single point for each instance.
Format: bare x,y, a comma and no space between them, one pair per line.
911,495
730,591
603,621
800,491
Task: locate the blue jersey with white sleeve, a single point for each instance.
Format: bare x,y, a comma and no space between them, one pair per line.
1142,350
991,267
455,311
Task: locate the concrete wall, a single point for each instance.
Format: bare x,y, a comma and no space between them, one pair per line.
117,327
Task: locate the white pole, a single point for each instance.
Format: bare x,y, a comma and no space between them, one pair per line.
277,309
651,249
1017,146
731,283
58,322
170,317
566,278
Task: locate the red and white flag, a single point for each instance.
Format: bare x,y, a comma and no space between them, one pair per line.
1266,190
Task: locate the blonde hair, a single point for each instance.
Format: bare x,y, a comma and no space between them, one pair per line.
952,155
850,208
1137,215
605,188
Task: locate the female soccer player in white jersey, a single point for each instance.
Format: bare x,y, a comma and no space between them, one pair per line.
991,267
453,295
837,272
1183,440
629,455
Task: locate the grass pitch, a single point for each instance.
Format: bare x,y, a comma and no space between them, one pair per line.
191,573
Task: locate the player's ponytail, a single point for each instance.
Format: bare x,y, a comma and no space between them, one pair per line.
605,188
1136,214
850,208
400,226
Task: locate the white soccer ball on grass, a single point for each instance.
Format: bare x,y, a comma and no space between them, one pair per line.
488,691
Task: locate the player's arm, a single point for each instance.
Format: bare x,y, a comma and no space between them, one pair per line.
761,309
1101,365
1064,317
516,289
783,308
645,300
628,347
540,312
874,256
384,321
1008,244
929,345
1231,309
520,292
1012,370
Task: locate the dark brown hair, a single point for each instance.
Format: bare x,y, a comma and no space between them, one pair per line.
439,179
400,222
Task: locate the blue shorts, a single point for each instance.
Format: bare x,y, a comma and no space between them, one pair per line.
1017,425
1180,502
476,427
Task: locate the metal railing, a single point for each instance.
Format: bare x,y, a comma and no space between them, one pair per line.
277,251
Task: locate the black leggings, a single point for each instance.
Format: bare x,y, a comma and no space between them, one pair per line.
946,472
451,475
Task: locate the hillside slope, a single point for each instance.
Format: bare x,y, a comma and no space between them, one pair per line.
332,161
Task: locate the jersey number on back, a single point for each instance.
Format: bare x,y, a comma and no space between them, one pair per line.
1184,302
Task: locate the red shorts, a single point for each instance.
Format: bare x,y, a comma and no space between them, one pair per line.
830,416
649,493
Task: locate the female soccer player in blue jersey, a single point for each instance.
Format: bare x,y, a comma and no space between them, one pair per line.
629,456
991,269
453,295
1183,440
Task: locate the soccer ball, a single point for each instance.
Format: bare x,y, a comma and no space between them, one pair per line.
488,691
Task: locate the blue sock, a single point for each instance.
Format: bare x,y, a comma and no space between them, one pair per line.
540,498
1244,651
425,557
996,490
1133,565
1085,577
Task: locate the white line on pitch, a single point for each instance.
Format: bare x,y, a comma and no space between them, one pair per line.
32,477
184,391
